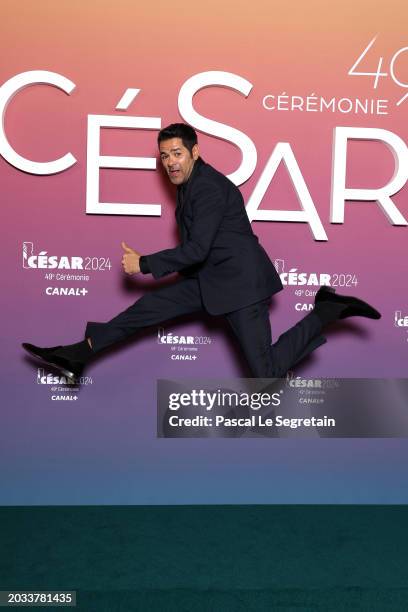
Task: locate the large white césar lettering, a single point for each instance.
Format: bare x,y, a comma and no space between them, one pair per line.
282,152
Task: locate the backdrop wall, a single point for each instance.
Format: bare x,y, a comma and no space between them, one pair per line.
329,84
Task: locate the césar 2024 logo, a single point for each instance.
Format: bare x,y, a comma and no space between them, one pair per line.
42,260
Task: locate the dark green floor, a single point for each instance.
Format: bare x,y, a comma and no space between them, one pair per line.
210,558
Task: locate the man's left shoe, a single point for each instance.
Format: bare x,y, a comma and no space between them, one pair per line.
348,306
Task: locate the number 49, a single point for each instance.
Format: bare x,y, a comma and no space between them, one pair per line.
378,73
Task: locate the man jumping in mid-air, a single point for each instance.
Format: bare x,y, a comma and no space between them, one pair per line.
224,271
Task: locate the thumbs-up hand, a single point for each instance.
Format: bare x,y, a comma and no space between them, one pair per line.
130,260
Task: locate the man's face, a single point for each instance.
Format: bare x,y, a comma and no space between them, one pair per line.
177,159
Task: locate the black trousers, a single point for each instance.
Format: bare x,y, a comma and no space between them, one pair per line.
251,326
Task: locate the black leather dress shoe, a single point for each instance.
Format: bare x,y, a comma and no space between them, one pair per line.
70,369
353,307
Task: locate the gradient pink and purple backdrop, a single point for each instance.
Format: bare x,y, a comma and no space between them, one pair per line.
102,448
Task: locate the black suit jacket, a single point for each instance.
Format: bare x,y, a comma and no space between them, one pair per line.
218,245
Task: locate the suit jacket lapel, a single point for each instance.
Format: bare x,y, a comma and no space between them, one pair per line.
182,198
199,162
178,209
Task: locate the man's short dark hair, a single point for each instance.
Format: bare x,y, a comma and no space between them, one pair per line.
179,130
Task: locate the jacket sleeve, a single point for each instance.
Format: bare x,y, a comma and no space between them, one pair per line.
208,206
144,266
